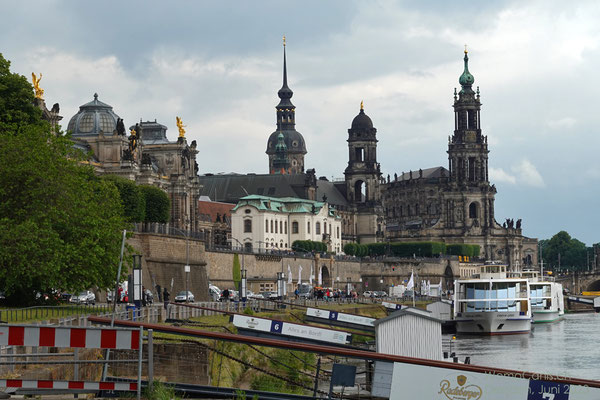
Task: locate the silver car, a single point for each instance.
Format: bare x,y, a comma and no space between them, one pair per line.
183,297
86,297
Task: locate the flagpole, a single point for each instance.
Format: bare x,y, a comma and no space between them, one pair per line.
412,271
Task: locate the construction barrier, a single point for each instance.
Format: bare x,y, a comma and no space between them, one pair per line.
72,385
89,338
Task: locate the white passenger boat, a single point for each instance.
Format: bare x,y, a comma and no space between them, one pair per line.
493,301
547,301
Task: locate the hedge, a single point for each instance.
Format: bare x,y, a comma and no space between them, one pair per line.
469,250
309,246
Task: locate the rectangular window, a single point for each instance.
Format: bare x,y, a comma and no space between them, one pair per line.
308,227
275,226
267,226
248,226
281,226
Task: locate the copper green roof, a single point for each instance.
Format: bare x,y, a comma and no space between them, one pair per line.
287,205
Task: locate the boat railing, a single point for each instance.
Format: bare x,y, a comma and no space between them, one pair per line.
518,296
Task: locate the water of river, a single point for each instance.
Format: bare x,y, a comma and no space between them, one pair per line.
567,348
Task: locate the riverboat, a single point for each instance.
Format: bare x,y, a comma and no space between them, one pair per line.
546,296
492,301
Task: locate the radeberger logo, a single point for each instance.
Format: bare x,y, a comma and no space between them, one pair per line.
460,392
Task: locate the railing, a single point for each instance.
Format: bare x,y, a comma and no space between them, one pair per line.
12,315
166,229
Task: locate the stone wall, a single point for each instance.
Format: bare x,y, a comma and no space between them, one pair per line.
365,275
163,261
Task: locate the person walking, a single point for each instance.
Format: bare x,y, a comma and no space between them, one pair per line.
166,296
226,295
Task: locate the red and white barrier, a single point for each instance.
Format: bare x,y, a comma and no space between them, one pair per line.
74,385
89,338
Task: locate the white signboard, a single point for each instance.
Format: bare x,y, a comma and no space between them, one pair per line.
289,329
422,382
392,306
341,317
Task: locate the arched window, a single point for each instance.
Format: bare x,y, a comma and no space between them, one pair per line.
308,227
473,212
338,232
285,224
267,226
318,228
272,226
275,226
281,226
247,226
295,227
325,228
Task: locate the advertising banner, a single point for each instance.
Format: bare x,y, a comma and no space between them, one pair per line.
422,382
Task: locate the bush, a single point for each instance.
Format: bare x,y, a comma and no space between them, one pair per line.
158,204
469,250
309,246
132,198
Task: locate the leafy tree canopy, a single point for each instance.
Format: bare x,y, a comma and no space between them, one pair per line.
17,110
132,198
570,251
158,204
60,225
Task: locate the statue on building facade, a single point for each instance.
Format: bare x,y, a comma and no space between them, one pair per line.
39,92
180,126
120,127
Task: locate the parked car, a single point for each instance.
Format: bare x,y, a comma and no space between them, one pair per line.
381,293
252,295
182,297
85,297
368,293
269,295
149,297
214,292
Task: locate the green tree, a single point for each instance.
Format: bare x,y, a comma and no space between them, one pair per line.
17,110
236,271
60,225
565,252
132,198
158,205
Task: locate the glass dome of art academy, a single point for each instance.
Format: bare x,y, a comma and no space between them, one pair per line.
92,118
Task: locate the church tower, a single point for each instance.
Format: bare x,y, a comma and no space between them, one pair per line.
281,164
472,205
362,177
467,149
286,125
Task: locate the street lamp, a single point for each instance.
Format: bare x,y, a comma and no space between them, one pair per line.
186,268
242,251
137,280
280,285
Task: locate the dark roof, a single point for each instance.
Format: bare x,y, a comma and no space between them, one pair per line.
212,208
362,121
428,173
231,188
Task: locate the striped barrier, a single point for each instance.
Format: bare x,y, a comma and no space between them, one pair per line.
72,385
89,338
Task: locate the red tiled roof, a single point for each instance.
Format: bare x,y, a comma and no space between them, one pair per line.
212,208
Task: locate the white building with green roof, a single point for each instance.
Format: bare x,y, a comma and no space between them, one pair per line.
269,223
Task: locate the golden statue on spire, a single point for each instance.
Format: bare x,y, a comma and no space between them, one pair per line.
180,126
283,40
39,92
466,49
362,106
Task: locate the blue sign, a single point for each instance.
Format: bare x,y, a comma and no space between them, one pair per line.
276,326
542,390
333,315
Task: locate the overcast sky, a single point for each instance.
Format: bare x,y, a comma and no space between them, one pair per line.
218,65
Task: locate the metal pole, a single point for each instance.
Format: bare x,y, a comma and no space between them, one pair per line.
187,263
139,379
150,359
317,378
76,368
115,294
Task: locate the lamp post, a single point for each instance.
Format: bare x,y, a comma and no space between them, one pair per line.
243,263
186,268
137,280
349,287
243,288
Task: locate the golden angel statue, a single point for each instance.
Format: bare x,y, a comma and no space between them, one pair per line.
39,92
180,126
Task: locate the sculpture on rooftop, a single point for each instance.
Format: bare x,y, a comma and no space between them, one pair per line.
39,92
180,126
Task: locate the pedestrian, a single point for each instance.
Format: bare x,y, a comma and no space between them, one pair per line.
144,297
297,293
226,295
166,296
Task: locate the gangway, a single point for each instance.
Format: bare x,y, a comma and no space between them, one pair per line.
594,302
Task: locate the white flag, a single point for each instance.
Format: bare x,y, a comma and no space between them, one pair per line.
411,283
289,274
299,274
320,280
312,275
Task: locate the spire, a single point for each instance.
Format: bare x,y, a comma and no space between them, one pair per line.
285,93
466,80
